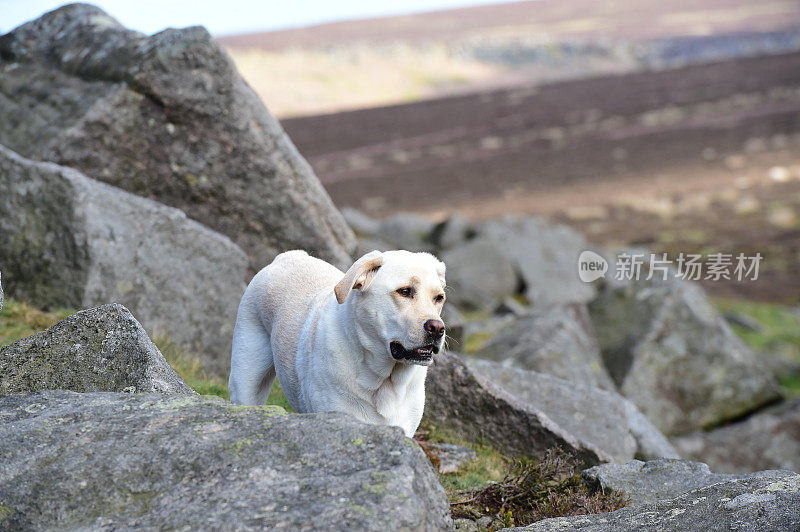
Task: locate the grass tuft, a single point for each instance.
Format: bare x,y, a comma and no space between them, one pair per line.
533,490
780,334
19,320
490,465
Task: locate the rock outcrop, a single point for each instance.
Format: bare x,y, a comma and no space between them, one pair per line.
603,418
646,482
672,354
546,256
464,401
101,349
768,439
758,503
558,340
169,117
70,241
118,461
478,275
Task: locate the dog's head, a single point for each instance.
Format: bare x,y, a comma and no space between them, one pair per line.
397,297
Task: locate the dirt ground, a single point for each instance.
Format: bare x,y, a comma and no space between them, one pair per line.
702,159
712,208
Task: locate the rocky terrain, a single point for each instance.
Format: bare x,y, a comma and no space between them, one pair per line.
621,381
102,98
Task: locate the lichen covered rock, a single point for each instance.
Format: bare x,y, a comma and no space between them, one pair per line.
165,116
465,401
655,480
100,349
768,439
601,417
555,339
117,461
757,503
672,354
73,242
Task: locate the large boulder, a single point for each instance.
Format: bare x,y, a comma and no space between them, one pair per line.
645,482
546,256
768,439
116,461
464,401
558,340
70,241
603,418
101,349
169,117
672,354
758,503
478,275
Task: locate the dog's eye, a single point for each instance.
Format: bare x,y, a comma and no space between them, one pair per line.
439,298
406,291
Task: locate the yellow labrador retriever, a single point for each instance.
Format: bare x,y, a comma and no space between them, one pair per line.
355,342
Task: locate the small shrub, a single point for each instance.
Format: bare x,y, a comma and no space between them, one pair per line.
533,490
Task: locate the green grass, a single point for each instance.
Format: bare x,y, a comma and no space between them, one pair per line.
780,333
490,465
19,320
781,326
475,342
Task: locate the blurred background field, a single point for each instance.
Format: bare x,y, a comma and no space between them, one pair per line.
668,125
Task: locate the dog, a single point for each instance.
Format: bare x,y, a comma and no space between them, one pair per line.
357,342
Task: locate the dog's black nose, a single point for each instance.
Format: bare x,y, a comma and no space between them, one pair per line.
435,328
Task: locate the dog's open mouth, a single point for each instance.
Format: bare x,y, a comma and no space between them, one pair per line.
419,355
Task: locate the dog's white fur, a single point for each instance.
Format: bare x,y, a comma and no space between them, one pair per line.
327,335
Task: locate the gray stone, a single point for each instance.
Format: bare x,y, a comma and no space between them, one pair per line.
451,232
468,525
478,275
461,399
509,305
758,503
100,349
744,321
558,340
545,254
603,418
449,458
116,461
477,332
768,439
455,322
672,354
656,480
361,224
780,359
169,117
70,241
1,291
406,231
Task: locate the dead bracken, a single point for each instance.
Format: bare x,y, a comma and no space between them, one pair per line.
533,490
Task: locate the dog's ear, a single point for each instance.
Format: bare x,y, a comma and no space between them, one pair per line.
359,276
440,270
